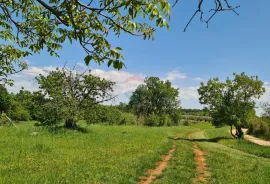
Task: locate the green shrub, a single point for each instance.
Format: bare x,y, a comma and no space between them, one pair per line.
103,114
50,114
19,114
186,122
176,117
4,120
128,119
165,120
259,128
152,120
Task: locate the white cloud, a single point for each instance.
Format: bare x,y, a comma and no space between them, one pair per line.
125,82
189,93
33,71
175,74
266,83
197,79
266,96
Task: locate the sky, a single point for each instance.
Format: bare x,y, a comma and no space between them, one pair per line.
231,44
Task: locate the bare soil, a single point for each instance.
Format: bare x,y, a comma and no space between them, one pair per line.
201,167
153,173
253,139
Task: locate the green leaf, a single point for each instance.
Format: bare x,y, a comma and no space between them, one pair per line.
87,59
118,48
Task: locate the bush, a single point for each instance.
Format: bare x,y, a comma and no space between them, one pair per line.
186,122
128,119
19,114
152,120
4,120
49,114
103,114
259,128
165,120
176,117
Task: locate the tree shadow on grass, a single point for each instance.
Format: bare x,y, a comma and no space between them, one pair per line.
216,139
62,129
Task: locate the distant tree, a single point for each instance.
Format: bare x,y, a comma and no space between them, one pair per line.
230,102
155,97
4,99
29,26
31,101
72,91
266,114
266,107
123,107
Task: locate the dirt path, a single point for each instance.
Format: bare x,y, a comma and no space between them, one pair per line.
153,173
201,171
254,139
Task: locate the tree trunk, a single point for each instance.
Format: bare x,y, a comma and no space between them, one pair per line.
71,124
232,132
239,132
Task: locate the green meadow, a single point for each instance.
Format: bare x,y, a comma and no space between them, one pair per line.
122,154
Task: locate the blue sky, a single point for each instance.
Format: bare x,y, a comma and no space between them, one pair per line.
230,44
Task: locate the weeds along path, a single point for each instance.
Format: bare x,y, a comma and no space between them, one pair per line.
201,168
153,173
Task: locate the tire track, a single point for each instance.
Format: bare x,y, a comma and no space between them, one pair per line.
201,166
153,173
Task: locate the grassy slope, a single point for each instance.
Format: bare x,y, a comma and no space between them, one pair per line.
230,160
106,154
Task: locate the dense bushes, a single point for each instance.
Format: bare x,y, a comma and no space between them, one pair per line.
260,128
49,114
159,120
128,119
17,112
190,122
197,118
109,115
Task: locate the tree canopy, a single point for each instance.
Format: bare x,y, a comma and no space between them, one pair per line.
4,99
71,90
29,26
155,96
230,102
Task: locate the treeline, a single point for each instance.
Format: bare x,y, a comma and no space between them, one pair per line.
196,112
67,96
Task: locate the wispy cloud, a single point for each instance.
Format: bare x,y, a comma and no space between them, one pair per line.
197,79
175,74
189,93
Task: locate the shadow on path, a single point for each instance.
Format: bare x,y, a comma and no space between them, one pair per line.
216,139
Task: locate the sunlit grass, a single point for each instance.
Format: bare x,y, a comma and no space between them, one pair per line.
104,154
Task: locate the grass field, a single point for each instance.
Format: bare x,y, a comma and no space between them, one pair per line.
122,154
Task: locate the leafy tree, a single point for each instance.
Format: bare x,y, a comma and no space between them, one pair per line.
230,102
155,96
17,112
4,99
49,114
29,26
32,102
73,91
266,107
